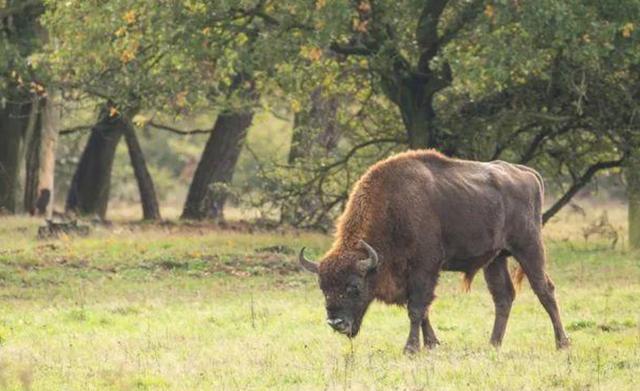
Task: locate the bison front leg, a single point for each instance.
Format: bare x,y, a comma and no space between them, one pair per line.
428,335
499,282
421,293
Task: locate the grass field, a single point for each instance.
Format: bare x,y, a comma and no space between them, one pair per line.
187,307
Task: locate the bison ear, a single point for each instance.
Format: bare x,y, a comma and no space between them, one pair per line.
371,263
307,264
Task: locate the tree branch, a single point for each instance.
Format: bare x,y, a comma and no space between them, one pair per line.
74,129
427,32
358,147
348,50
176,130
541,138
578,184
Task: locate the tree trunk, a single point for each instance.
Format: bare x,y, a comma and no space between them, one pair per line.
632,175
148,197
89,191
314,131
216,166
14,119
321,116
50,121
414,97
31,158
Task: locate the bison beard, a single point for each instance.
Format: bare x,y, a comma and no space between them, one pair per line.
419,212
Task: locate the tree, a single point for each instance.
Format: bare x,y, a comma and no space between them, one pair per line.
148,197
20,91
215,167
89,190
549,84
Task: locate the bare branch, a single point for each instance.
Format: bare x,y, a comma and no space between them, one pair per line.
176,130
578,184
348,50
74,129
358,147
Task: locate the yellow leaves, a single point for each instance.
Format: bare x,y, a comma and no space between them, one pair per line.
315,54
320,4
364,7
328,81
130,17
490,12
311,53
628,29
127,55
140,120
17,78
121,32
361,26
296,106
242,38
181,99
206,30
38,89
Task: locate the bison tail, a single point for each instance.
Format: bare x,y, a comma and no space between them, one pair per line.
517,276
466,282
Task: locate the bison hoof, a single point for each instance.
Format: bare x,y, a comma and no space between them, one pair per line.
563,343
431,343
496,343
411,349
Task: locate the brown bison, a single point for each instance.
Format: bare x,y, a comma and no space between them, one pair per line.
420,212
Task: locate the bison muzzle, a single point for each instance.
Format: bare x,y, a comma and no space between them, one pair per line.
417,213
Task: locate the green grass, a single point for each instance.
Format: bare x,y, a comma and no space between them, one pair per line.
183,307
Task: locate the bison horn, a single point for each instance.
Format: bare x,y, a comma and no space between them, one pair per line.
307,264
371,262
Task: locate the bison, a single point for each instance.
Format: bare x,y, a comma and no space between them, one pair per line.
418,213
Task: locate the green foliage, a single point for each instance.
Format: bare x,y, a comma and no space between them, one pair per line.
20,42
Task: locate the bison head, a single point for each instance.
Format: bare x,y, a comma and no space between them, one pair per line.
345,280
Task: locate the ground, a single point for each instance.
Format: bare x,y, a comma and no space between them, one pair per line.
184,307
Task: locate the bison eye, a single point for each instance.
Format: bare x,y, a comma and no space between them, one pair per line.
353,290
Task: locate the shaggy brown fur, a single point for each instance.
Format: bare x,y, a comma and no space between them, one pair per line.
423,212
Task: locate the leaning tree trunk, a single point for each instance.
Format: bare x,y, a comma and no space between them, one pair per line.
216,166
632,176
89,191
148,197
14,119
